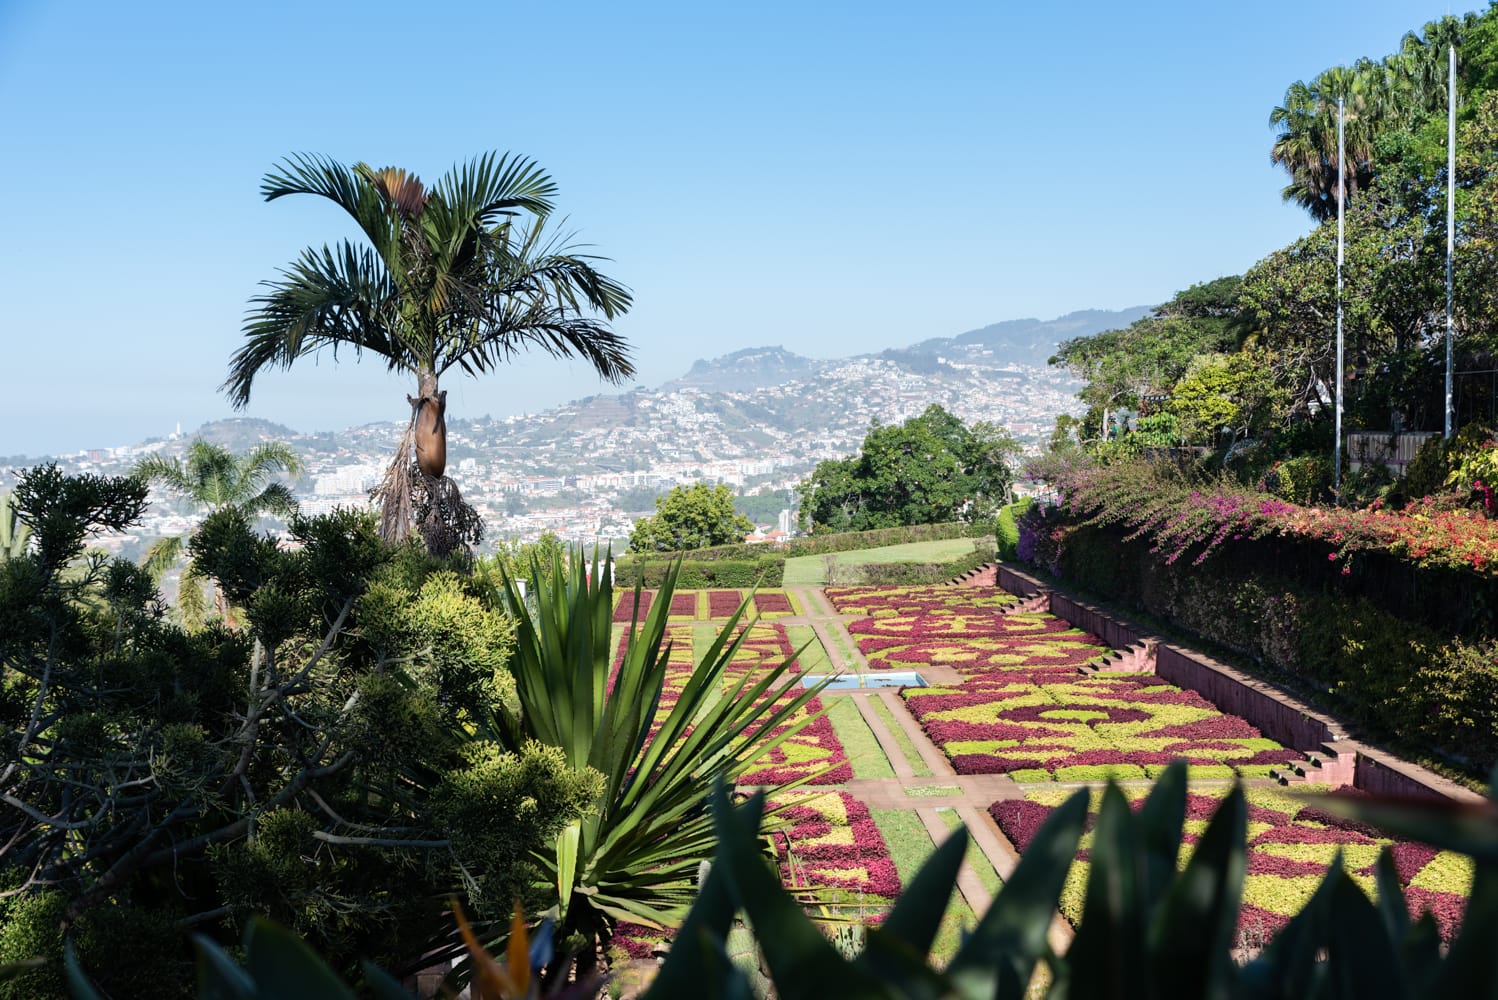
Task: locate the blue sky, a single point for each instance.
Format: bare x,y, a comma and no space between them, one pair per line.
833,177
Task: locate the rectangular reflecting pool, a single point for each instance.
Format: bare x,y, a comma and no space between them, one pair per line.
900,678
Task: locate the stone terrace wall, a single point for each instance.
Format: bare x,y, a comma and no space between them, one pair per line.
1276,714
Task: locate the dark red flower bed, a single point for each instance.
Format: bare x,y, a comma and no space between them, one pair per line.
861,866
624,611
722,603
773,604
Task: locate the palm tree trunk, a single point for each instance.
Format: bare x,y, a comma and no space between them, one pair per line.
429,415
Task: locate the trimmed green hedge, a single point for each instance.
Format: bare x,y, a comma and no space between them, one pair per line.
1006,531
846,541
1401,678
913,574
767,571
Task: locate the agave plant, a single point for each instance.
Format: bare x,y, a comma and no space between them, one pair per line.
15,535
637,855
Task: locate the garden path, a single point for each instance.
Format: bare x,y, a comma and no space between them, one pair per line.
969,796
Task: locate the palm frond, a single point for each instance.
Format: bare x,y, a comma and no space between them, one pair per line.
214,473
166,471
191,604
488,189
263,459
309,173
274,499
163,554
537,295
341,297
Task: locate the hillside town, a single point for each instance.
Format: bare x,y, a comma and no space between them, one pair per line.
586,470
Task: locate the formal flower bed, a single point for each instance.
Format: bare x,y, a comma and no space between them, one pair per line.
723,603
835,844
1086,729
624,606
720,604
1023,709
774,604
815,748
812,749
881,602
832,848
1290,846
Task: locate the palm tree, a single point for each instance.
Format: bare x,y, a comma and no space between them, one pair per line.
447,278
1306,145
215,478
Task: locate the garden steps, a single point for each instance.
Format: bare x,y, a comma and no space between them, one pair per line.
1034,604
986,575
1138,658
1327,766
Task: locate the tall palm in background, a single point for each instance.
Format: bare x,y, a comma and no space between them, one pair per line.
214,478
448,277
1306,145
1395,92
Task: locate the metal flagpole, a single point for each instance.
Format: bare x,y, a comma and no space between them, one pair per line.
1341,189
1450,222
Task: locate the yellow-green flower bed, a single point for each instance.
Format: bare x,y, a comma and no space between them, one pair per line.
1291,843
815,748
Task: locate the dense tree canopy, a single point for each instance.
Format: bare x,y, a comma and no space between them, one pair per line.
930,469
690,517
1275,327
1149,356
318,765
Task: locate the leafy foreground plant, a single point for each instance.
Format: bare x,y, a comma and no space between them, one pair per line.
1147,929
636,854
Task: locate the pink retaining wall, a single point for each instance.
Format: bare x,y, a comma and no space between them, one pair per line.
1274,714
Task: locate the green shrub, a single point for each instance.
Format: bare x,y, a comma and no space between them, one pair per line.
1007,527
1304,479
32,929
840,541
766,571
914,574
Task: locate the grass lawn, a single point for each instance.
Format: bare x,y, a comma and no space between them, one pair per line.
918,764
814,658
909,846
863,750
812,570
982,867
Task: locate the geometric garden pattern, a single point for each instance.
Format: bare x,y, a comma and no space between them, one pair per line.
1023,709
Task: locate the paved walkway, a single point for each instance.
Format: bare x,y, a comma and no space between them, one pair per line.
969,795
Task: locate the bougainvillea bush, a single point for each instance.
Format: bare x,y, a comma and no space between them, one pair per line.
1183,519
1290,846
